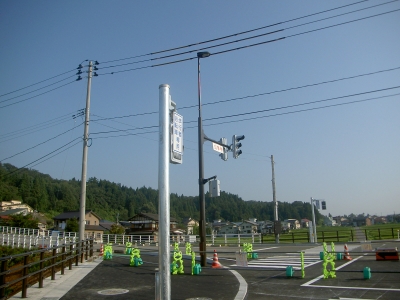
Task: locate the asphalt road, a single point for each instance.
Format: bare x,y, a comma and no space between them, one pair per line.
263,278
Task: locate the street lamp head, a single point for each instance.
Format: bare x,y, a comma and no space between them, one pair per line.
203,54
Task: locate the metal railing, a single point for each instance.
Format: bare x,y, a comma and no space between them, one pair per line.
18,271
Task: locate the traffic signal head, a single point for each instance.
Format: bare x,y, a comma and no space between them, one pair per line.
236,145
323,204
224,156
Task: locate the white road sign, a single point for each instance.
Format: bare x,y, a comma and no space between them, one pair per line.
177,133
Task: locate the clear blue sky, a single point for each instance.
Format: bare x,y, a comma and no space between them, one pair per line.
345,154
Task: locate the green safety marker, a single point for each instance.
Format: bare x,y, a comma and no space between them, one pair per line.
329,259
289,271
188,248
367,273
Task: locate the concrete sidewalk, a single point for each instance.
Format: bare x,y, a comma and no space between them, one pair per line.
55,289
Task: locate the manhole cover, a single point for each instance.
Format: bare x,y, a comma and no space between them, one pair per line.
113,292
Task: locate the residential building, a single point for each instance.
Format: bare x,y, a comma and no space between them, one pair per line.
15,204
292,224
92,222
190,224
147,224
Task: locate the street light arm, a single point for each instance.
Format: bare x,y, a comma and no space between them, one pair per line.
229,147
208,179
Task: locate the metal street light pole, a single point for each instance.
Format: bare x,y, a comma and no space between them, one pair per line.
202,226
313,216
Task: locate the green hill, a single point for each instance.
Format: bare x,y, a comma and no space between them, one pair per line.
109,199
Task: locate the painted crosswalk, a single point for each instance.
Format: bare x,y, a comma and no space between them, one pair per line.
281,262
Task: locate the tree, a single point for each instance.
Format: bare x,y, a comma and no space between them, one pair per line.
72,225
117,229
21,221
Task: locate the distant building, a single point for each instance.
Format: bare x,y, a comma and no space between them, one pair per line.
15,204
293,223
92,222
147,224
304,223
190,224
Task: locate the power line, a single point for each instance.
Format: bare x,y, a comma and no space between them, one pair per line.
235,34
37,83
260,94
301,104
44,142
248,38
44,156
2,101
254,44
38,127
271,109
299,111
38,94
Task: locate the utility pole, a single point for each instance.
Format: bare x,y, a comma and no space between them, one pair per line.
275,202
84,158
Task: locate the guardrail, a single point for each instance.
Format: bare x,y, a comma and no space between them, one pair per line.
18,271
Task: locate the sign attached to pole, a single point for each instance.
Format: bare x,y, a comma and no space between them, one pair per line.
177,138
218,148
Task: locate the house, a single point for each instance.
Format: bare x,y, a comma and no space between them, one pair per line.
329,221
15,204
265,227
190,223
380,220
304,223
247,227
147,224
228,228
92,222
292,224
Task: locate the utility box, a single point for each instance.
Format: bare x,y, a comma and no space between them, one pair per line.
213,188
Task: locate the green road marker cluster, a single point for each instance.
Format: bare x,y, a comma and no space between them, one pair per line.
248,247
329,259
188,248
108,251
135,261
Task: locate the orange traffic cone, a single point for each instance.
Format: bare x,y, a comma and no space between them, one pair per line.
346,253
101,250
215,263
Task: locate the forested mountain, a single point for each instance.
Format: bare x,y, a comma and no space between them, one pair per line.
109,199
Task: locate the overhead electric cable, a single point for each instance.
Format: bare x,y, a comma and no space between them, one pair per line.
43,156
301,104
38,95
271,109
260,94
37,83
248,38
36,89
236,34
298,111
44,142
255,44
37,127
78,142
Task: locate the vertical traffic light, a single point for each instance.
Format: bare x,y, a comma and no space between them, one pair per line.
323,204
224,155
236,145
